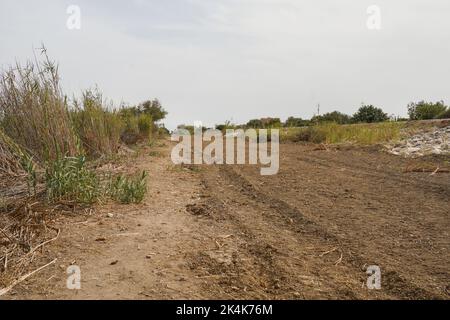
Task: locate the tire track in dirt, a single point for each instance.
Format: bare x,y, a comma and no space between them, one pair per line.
289,265
397,288
372,171
218,232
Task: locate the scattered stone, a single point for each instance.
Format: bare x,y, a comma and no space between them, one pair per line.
424,143
110,215
114,262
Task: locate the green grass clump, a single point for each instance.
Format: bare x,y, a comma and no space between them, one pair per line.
69,179
129,189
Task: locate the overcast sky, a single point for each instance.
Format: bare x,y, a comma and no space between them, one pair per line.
219,60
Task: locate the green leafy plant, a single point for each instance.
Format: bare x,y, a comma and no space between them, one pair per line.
69,179
423,110
129,189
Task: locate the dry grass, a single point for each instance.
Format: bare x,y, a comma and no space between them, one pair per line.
331,133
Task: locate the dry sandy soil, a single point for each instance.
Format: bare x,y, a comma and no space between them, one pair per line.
225,232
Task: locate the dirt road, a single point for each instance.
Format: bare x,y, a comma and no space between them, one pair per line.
308,232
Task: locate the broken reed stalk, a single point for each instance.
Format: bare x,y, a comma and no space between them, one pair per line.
24,277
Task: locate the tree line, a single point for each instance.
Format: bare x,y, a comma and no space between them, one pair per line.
421,110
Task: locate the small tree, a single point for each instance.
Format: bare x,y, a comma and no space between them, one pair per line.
154,109
369,114
423,110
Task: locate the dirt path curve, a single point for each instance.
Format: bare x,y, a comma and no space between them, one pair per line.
226,232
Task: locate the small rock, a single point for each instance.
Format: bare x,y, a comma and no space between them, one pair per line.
110,215
114,262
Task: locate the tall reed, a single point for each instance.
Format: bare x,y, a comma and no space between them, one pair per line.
98,127
33,110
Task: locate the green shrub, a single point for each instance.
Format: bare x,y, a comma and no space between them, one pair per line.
296,122
129,189
264,123
153,108
369,114
423,110
69,179
335,116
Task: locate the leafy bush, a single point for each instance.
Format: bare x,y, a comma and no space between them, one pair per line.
68,179
335,116
153,108
129,189
370,114
264,123
254,124
423,110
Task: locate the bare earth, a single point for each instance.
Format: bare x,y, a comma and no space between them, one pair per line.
225,232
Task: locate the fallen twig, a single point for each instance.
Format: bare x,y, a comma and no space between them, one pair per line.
434,172
24,277
43,244
339,260
327,252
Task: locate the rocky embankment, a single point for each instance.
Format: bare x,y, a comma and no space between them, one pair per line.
434,141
